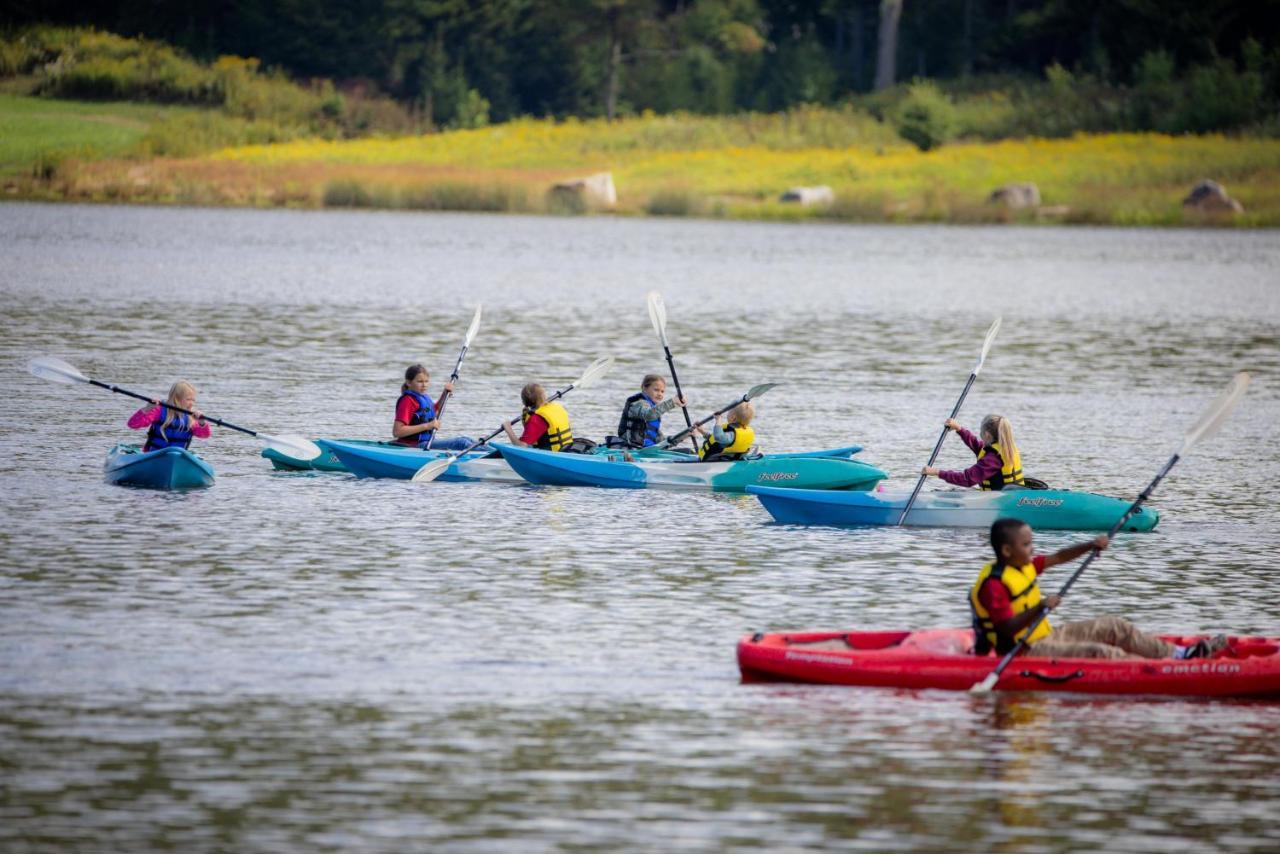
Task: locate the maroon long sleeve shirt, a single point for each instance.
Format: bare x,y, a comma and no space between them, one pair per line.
979,471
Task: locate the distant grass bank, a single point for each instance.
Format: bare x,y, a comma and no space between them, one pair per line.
665,165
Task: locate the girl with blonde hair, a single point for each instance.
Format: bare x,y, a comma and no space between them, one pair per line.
168,428
999,463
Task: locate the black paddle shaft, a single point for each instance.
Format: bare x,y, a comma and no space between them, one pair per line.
937,448
128,393
679,436
1133,508
555,396
671,363
444,396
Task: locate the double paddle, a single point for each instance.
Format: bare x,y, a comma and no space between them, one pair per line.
435,468
973,375
755,392
453,378
658,316
49,368
1208,424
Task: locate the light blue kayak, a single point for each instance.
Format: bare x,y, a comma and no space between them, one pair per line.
168,468
818,470
1045,509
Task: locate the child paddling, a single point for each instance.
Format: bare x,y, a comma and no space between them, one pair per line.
546,425
168,428
1005,600
641,423
732,440
999,463
417,416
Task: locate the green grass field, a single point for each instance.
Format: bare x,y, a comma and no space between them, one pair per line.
35,131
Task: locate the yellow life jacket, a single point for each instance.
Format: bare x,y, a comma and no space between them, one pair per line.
1010,471
743,438
1024,594
558,432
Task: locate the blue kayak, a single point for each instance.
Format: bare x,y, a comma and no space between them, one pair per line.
1052,509
819,470
381,459
168,468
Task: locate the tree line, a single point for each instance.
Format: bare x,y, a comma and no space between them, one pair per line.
462,63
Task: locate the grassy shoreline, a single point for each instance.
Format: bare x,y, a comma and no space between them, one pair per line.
731,167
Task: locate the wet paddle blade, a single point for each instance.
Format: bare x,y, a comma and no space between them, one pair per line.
658,315
432,470
1216,415
986,345
758,390
985,686
595,371
472,329
294,446
49,368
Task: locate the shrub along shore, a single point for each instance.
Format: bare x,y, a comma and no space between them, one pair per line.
230,134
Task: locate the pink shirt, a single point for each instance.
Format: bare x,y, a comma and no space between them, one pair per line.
149,415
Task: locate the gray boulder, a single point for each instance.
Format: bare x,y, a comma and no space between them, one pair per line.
820,195
1210,197
1016,196
594,192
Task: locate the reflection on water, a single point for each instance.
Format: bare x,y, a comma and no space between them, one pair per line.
311,661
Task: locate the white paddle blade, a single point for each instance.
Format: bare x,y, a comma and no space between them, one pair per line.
473,328
49,368
1216,415
756,391
294,446
657,314
432,470
595,371
986,344
985,686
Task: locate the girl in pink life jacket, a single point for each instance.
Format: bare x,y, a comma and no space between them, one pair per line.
168,428
417,415
999,462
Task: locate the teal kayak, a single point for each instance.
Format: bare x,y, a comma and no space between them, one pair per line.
1051,509
327,461
168,468
811,471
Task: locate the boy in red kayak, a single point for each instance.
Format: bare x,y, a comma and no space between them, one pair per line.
1005,600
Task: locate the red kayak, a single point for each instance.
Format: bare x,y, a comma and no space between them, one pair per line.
941,658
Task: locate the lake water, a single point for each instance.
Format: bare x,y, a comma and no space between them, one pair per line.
311,662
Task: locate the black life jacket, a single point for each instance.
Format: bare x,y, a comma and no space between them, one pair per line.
638,433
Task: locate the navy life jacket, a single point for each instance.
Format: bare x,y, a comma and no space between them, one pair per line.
425,412
638,433
176,435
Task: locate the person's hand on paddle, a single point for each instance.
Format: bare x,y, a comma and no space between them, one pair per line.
1052,601
930,471
448,387
197,415
951,424
680,400
1101,542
